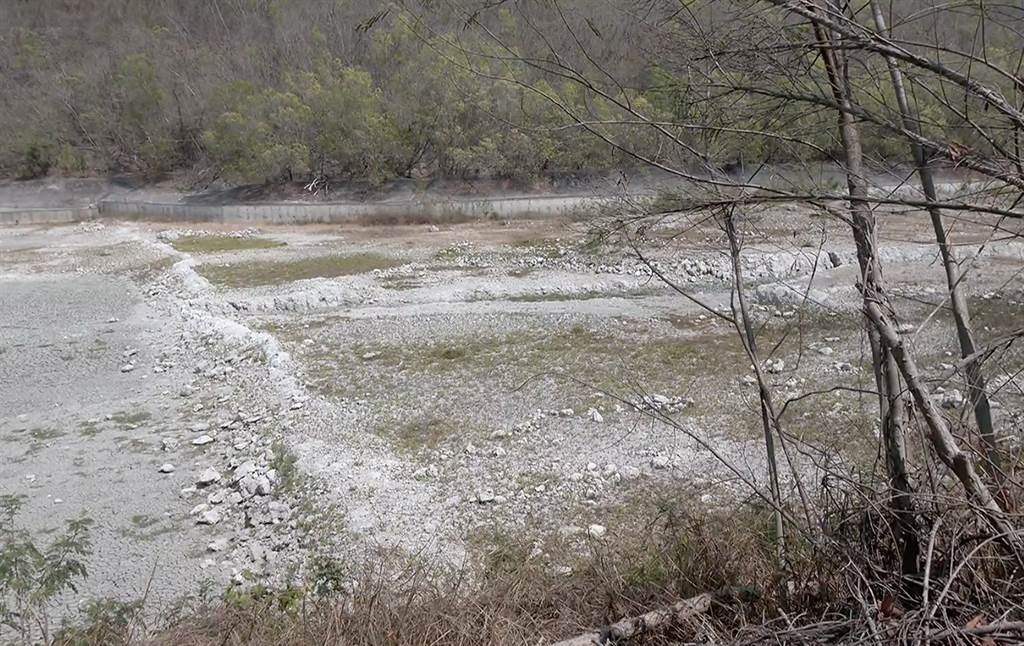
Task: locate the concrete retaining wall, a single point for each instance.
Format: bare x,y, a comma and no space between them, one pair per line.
366,212
46,216
427,210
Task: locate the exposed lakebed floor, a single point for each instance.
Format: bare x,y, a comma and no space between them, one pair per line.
420,387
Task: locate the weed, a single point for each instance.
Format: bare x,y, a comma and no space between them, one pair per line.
285,463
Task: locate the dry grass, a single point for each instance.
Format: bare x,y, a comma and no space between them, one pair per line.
509,597
839,583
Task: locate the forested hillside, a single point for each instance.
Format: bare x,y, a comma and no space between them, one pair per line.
256,90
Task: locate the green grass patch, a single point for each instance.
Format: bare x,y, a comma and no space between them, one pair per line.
217,244
43,434
127,420
255,274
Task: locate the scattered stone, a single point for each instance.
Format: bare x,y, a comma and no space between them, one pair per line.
595,415
566,412
257,552
278,511
825,351
208,477
127,367
485,496
202,440
218,544
660,461
262,486
370,356
630,472
216,498
166,468
242,470
209,517
168,444
774,366
597,532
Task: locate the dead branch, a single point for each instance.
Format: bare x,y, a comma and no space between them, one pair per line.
655,620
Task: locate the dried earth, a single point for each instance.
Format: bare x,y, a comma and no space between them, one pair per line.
224,403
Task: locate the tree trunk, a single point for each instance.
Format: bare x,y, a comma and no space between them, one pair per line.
878,308
769,420
887,377
976,386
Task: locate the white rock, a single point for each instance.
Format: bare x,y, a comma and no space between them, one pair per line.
167,468
597,532
210,517
208,477
127,367
630,473
262,486
218,544
202,440
257,552
168,444
243,470
595,415
825,351
485,496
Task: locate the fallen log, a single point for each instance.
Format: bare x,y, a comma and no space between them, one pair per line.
630,627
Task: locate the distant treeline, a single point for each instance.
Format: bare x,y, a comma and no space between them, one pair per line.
254,90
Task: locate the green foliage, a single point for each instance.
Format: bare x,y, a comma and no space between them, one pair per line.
137,91
32,575
261,136
346,90
36,157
